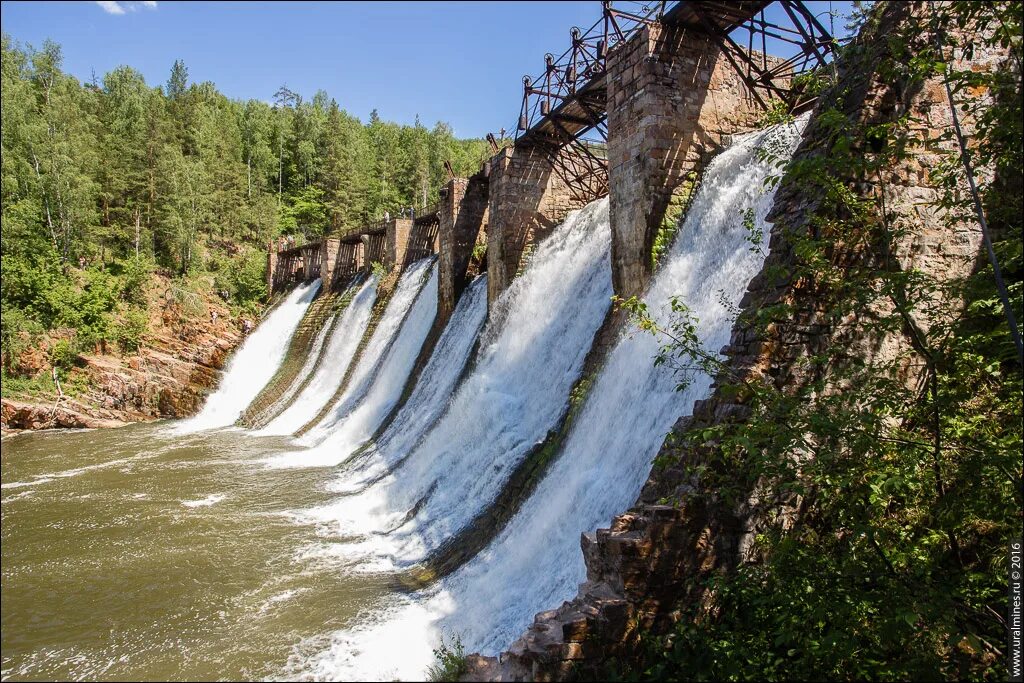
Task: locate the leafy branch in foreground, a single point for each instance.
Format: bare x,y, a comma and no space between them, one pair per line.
883,458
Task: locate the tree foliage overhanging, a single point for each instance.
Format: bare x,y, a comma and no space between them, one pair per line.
899,473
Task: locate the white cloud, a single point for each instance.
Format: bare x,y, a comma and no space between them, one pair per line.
123,6
110,6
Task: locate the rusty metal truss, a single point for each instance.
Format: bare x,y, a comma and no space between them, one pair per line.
564,108
767,80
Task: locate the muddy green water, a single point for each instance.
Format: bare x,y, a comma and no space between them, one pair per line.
135,554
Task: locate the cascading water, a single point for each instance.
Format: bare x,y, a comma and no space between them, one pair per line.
254,364
430,396
381,389
344,339
312,356
408,287
531,353
535,561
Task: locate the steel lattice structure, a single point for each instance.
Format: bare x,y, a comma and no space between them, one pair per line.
564,110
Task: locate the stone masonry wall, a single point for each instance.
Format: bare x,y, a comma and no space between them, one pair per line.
654,557
329,248
461,215
526,201
671,101
397,240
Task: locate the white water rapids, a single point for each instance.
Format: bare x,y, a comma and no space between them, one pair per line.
534,562
345,336
406,291
530,354
254,364
429,398
376,391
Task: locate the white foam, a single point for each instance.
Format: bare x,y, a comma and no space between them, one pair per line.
531,352
344,338
211,499
379,391
254,364
409,286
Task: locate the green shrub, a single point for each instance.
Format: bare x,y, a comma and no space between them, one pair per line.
243,278
449,662
18,331
63,354
134,278
35,387
129,330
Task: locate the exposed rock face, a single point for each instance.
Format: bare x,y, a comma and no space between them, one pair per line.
178,363
654,557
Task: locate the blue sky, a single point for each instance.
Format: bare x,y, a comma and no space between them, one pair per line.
459,62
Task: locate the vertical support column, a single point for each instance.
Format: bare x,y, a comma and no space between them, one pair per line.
307,262
671,100
364,252
526,201
271,267
463,203
360,256
397,240
329,248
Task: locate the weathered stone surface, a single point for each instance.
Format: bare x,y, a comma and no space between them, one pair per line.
526,201
461,212
671,102
396,238
654,557
329,251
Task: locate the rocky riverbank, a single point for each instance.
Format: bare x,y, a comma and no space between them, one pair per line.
178,361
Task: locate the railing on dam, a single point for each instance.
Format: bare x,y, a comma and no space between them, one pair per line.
342,254
564,107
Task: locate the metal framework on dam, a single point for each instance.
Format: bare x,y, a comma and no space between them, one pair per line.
566,104
633,109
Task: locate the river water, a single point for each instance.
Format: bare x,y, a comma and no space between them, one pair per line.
168,551
134,553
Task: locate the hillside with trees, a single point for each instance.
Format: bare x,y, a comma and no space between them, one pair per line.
119,198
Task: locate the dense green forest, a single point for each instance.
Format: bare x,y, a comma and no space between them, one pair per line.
105,182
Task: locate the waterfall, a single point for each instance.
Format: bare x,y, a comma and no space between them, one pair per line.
254,364
530,354
344,338
535,562
431,395
284,399
409,286
381,391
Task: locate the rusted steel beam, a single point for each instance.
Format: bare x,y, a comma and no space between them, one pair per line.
567,102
